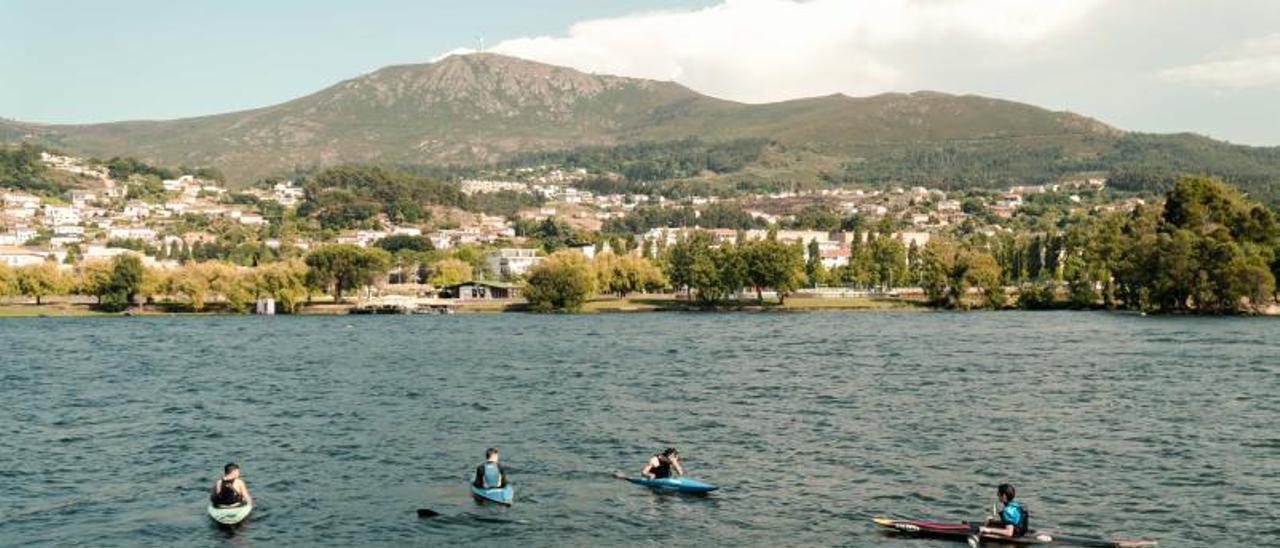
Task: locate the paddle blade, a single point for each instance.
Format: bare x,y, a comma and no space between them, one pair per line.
427,513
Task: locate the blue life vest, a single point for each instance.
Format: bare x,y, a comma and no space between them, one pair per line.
1017,516
492,475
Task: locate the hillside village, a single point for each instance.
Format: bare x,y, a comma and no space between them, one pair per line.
102,218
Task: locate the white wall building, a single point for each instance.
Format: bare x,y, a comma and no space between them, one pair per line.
19,256
511,262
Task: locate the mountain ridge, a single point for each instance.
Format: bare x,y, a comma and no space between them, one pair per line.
484,107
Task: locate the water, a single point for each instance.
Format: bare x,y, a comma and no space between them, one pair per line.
1160,428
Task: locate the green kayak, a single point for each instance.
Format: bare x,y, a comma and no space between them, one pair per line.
230,515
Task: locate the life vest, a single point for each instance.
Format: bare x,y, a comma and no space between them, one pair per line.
663,469
488,476
1016,515
226,494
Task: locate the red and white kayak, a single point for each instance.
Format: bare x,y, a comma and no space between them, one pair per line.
962,530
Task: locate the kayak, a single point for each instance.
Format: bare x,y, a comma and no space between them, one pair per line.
230,515
501,495
962,530
682,485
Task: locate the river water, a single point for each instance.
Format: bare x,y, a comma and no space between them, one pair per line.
1149,427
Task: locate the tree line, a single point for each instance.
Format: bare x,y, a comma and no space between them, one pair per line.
1205,249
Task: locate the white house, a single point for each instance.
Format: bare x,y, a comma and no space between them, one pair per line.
81,198
510,262
54,215
20,256
132,233
19,200
834,257
64,241
137,210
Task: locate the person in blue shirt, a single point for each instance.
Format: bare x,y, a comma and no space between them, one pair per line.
1011,519
490,474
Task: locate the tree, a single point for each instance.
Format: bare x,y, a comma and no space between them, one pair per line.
41,280
814,271
397,242
91,278
935,264
890,259
125,282
637,274
686,254
771,263
189,283
982,271
284,281
8,281
561,282
449,272
344,267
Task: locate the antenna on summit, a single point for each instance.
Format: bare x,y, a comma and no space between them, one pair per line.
480,43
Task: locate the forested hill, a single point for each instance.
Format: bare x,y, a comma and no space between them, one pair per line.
483,108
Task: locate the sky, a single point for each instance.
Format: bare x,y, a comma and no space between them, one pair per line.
1206,66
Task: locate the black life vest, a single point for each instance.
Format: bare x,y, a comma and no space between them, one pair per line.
1023,524
227,494
663,469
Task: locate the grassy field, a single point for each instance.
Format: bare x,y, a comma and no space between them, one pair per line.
18,310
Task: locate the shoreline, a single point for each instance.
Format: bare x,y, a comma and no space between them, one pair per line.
600,305
75,308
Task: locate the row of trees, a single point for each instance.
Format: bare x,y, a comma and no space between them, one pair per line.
1207,249
565,280
124,281
711,273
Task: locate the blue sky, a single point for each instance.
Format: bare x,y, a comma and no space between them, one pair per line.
1208,66
87,61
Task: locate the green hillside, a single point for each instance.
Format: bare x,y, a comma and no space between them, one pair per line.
484,109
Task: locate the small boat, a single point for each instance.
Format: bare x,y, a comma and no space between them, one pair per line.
230,515
505,496
962,530
682,485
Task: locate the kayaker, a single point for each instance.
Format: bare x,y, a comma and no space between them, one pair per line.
230,490
1011,518
663,464
490,474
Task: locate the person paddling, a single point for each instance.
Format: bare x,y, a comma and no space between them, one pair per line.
490,474
663,464
230,490
1011,519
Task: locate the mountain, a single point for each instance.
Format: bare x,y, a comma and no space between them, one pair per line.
481,108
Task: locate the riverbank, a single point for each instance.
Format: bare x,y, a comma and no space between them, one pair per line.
56,307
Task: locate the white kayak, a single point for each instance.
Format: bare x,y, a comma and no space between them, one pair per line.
230,515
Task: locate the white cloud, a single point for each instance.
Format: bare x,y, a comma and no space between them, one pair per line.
1252,64
766,50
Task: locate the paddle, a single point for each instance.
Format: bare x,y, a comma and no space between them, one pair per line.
975,538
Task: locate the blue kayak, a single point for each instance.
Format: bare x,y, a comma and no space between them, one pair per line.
682,485
501,495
